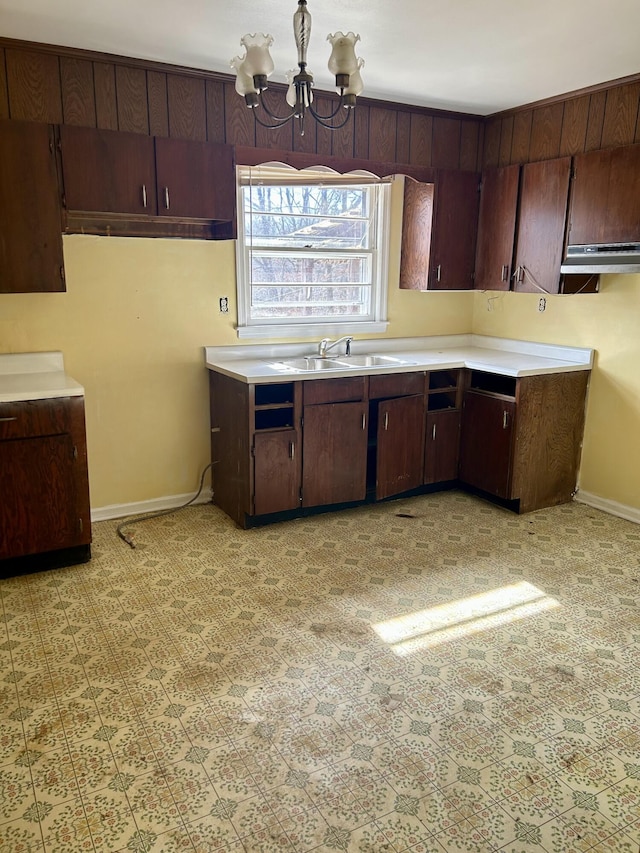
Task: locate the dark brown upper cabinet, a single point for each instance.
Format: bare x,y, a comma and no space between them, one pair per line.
30,211
108,171
455,223
417,219
132,184
605,197
542,214
496,227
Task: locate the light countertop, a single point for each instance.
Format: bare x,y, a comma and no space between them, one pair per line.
259,363
35,376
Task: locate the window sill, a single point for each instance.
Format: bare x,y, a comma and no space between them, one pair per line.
304,330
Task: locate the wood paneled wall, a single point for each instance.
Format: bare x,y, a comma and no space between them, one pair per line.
606,117
66,86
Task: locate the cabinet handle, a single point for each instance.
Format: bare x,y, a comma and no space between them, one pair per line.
438,272
505,273
144,195
386,420
433,432
364,420
505,419
292,450
520,275
166,197
6,420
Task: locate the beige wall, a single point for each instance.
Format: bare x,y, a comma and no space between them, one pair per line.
137,313
609,322
132,326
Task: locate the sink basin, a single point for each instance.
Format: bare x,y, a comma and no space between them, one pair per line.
309,363
313,363
372,361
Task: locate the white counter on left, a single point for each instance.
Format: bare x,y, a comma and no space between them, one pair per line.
35,376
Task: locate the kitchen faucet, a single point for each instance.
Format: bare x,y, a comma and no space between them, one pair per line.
326,344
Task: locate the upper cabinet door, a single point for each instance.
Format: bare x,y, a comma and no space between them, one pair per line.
544,193
108,171
605,197
455,224
417,221
496,228
195,179
30,211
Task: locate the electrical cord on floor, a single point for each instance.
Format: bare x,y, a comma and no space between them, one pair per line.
128,538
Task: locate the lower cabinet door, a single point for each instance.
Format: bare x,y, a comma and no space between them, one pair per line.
334,466
38,505
441,446
276,473
486,443
400,445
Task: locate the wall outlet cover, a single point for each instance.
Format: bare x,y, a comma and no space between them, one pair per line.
224,304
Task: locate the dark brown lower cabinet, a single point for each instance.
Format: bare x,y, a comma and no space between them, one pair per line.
486,442
43,471
441,446
276,477
400,445
296,445
334,453
521,438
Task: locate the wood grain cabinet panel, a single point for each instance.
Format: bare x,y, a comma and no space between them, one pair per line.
496,228
455,223
276,472
442,443
334,453
108,171
542,215
43,471
400,445
605,197
486,443
417,222
30,210
195,179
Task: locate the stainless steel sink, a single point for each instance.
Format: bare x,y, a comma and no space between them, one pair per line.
372,361
308,363
311,363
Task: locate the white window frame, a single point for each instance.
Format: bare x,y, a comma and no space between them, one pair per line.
285,327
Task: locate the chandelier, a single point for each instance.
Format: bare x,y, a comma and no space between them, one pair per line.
253,69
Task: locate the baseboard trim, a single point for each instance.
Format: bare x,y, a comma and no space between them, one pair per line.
106,513
630,513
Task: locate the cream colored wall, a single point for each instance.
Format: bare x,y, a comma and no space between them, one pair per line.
609,322
132,326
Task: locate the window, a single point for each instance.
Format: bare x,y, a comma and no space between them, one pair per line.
311,252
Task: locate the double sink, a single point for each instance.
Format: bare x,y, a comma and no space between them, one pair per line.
314,363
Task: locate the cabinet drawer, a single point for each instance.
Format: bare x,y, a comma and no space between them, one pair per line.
33,418
396,385
334,390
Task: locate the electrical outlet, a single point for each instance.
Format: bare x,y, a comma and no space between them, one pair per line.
542,304
224,304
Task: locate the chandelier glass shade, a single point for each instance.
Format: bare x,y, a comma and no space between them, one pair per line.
256,66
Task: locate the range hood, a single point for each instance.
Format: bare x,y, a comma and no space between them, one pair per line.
602,257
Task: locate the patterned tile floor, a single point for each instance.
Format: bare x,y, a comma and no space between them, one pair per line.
433,674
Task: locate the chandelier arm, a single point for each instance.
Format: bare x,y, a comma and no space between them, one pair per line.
282,119
322,120
318,117
280,123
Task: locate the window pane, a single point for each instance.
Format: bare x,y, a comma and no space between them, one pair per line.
306,231
309,199
294,269
330,301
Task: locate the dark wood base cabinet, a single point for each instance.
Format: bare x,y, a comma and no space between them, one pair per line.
44,511
521,438
292,448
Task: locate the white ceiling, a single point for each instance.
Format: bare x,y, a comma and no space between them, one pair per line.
478,57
